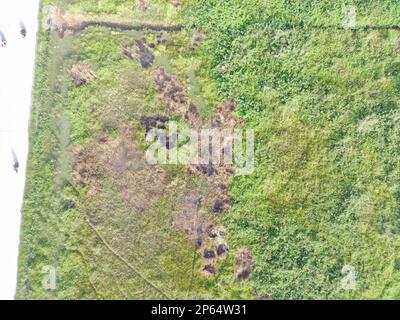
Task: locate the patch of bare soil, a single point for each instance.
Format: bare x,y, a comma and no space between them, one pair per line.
123,162
189,219
244,264
81,73
219,179
159,122
175,96
207,237
141,52
213,249
154,122
211,244
219,176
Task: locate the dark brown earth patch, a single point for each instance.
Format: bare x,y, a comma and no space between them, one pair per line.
220,175
208,270
160,122
209,253
219,178
140,51
192,115
157,121
161,38
175,96
145,54
198,39
222,248
198,229
220,205
210,240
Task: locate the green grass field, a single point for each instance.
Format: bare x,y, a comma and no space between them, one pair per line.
325,194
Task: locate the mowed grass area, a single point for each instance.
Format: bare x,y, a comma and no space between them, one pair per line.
110,232
324,103
324,197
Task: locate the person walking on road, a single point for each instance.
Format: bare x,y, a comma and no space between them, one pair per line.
16,162
3,41
22,29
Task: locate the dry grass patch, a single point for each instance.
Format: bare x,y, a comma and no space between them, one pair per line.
123,162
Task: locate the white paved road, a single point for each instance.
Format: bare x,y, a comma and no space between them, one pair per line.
16,76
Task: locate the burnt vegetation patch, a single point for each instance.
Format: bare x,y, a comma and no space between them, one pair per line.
81,73
205,235
175,96
121,161
219,175
140,51
157,121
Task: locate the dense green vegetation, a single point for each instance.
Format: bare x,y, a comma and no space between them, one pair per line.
324,104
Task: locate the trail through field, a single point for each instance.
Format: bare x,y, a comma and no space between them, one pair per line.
16,76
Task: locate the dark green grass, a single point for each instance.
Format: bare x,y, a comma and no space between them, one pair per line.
324,103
